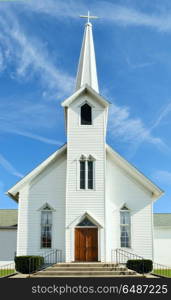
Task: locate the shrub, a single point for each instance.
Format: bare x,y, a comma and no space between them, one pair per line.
141,266
28,264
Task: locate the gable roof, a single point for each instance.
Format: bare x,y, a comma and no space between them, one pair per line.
13,192
85,89
162,220
135,173
123,163
8,218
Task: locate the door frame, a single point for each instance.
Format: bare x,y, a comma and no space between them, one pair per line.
98,242
70,236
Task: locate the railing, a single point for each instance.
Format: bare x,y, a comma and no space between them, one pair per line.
49,258
7,270
161,270
120,256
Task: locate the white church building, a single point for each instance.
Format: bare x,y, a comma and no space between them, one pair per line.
85,199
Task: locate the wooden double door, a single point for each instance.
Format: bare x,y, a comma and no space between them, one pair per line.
86,244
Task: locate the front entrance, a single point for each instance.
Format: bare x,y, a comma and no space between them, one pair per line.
86,244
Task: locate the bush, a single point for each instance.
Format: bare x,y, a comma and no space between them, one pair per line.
28,264
141,266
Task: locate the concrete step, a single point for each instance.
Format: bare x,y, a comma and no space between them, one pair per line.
85,265
69,269
86,270
84,276
80,272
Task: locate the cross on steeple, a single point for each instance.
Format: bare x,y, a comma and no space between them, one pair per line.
89,17
86,72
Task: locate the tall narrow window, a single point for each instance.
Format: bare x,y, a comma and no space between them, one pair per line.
125,225
90,175
86,115
46,228
82,174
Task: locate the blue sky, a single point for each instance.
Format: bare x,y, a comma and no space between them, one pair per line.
39,49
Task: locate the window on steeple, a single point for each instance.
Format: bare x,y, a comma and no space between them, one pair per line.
86,114
82,174
87,172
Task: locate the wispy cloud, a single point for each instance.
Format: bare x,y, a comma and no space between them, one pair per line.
30,119
163,113
162,176
110,12
9,167
138,65
133,130
34,136
30,56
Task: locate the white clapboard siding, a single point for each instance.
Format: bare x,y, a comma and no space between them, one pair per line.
85,140
162,245
48,187
8,241
120,189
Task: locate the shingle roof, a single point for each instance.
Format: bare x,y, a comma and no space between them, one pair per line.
162,219
8,217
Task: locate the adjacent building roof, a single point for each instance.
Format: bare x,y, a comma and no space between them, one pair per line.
162,220
8,218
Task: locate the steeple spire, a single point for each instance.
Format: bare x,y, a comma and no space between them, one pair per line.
87,73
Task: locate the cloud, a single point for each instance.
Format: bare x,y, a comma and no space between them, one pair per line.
163,177
1,61
35,137
122,15
138,65
30,56
133,130
164,112
9,167
29,119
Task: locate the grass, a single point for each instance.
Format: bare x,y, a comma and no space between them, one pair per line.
6,272
166,273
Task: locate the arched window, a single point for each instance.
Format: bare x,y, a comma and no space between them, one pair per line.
125,227
46,227
86,222
86,172
86,114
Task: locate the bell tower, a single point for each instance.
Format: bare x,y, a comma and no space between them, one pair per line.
86,119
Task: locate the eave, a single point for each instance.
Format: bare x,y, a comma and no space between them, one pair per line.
85,89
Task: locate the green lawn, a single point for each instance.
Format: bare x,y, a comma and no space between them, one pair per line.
166,273
6,272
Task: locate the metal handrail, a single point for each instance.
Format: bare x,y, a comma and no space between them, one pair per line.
121,256
7,270
49,258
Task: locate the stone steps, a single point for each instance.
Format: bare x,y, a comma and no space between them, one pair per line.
80,272
84,276
56,269
85,265
86,270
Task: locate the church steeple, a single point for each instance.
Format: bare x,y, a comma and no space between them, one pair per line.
87,73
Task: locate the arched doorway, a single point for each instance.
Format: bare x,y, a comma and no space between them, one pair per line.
86,241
